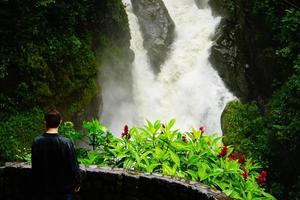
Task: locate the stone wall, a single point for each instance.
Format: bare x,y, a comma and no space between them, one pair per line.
109,184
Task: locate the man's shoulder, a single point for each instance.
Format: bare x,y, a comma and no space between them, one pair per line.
43,137
38,138
64,139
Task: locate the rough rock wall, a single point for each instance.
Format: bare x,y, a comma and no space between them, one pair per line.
243,52
157,28
108,184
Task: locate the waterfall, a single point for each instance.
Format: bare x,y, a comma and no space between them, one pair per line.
187,88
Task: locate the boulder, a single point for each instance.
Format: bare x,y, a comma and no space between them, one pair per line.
228,60
157,28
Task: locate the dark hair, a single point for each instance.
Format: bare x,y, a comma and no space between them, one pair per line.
52,119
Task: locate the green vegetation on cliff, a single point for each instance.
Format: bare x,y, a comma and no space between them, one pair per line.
50,55
17,133
273,135
48,52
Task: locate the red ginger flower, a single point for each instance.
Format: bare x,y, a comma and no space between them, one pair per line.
126,132
233,156
245,174
242,159
126,129
261,179
184,139
202,129
223,151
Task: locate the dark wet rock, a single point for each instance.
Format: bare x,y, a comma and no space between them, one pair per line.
243,52
157,28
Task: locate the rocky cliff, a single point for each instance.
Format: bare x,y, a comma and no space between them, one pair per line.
157,28
243,52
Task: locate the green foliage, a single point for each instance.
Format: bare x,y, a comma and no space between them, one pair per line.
284,21
51,53
17,133
161,149
67,129
244,126
285,122
273,136
262,136
97,133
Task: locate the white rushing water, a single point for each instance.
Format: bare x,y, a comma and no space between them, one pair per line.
187,88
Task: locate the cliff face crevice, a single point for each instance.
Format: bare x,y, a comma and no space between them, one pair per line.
243,52
157,29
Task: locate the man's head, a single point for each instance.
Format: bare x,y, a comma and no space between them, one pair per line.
52,119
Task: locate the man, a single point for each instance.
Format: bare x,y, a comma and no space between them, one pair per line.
55,170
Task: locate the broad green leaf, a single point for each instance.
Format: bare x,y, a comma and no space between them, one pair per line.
166,169
174,158
157,125
171,124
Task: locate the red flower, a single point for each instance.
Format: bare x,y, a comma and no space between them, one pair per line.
233,156
242,159
223,151
184,139
245,174
126,129
202,129
261,179
126,132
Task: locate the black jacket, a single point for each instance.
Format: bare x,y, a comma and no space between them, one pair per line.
55,168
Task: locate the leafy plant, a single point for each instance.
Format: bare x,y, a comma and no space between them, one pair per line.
158,148
97,133
17,133
67,129
243,125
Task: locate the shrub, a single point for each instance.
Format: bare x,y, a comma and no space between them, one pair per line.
285,141
17,133
243,125
67,129
157,148
272,137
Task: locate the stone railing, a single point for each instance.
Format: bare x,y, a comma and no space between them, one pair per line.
109,184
